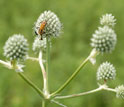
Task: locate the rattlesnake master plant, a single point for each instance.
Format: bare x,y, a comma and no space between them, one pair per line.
103,41
120,91
106,71
16,48
108,20
39,45
53,25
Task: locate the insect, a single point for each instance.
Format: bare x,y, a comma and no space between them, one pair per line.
41,29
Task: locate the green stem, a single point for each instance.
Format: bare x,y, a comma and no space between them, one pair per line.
31,84
47,60
43,103
71,78
92,56
77,95
102,87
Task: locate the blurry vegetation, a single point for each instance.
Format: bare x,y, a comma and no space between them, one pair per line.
80,19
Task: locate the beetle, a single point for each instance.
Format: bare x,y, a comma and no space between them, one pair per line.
41,29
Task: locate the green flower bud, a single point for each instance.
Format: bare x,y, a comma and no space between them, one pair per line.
48,24
120,91
107,20
16,47
106,71
104,39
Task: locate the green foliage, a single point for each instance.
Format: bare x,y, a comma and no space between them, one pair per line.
80,19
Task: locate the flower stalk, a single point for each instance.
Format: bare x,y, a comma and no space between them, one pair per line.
102,87
47,62
45,87
31,84
6,64
92,54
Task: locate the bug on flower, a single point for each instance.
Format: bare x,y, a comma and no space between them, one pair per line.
41,29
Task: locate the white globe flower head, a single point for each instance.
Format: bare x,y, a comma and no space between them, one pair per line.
48,24
106,71
108,20
39,44
16,47
104,40
120,91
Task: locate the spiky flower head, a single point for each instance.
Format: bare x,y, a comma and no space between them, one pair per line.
52,25
120,91
108,20
104,39
106,71
16,47
39,44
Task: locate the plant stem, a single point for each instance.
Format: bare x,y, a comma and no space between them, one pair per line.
109,89
102,87
47,60
6,64
31,84
71,77
43,103
45,88
32,58
35,59
92,56
77,95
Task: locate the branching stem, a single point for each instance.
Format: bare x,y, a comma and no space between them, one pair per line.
92,55
102,87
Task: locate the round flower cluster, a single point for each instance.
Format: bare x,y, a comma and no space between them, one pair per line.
39,44
16,47
104,39
48,24
108,20
106,71
120,91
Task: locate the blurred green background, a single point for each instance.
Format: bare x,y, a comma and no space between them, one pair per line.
80,19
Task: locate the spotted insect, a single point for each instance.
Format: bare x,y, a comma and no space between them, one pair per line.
41,29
